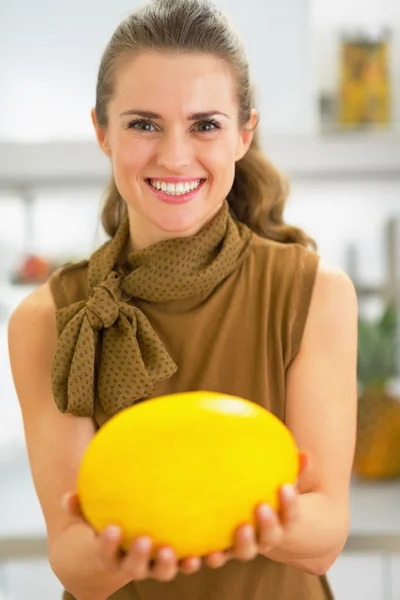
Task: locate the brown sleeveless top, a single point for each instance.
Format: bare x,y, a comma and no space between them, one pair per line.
223,310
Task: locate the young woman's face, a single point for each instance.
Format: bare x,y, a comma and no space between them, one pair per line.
192,134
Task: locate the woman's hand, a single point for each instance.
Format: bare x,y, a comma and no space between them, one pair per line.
270,529
135,564
268,534
249,543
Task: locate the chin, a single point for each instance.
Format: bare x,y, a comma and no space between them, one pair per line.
180,223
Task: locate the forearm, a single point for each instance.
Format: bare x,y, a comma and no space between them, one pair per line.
317,536
77,566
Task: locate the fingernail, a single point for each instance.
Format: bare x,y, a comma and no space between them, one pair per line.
247,531
195,563
288,491
112,532
144,544
164,554
265,511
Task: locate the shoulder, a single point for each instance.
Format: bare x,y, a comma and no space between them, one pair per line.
36,314
329,282
289,271
39,308
280,256
334,306
35,310
313,298
34,319
32,332
334,291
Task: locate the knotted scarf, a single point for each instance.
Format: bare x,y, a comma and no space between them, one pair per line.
107,350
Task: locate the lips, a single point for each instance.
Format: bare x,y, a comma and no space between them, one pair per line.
177,199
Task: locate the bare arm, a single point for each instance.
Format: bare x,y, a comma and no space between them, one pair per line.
321,405
56,442
89,565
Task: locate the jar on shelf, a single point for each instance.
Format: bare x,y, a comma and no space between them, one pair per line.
365,90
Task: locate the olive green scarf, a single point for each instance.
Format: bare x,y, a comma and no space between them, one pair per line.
107,349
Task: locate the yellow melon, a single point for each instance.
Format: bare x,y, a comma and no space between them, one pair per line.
186,470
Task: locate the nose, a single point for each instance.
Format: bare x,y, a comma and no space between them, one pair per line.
174,152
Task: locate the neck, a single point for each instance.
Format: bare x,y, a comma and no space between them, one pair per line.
143,233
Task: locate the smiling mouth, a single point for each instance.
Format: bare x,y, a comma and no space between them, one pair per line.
176,198
177,193
199,179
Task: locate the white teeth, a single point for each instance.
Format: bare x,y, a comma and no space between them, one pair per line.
174,189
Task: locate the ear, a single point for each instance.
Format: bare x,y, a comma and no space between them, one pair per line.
101,134
247,134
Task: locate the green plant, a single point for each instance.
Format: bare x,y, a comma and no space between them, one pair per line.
377,349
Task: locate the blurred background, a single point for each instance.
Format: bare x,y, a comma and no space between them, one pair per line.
327,76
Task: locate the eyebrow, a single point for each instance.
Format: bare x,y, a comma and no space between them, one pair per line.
193,117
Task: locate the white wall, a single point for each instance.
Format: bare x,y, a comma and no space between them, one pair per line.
339,213
278,41
49,55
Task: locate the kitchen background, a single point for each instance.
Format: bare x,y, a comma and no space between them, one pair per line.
327,76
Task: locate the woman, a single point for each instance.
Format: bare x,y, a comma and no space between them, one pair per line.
201,286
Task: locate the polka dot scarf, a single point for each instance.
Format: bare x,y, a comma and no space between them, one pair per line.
107,349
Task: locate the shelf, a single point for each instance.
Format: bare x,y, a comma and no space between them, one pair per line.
337,155
344,154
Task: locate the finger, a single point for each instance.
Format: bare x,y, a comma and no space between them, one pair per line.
110,540
245,546
70,503
270,531
136,562
190,565
215,560
289,504
165,566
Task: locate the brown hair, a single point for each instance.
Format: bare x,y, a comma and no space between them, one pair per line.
259,191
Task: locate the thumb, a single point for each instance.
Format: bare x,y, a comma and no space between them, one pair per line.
70,503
